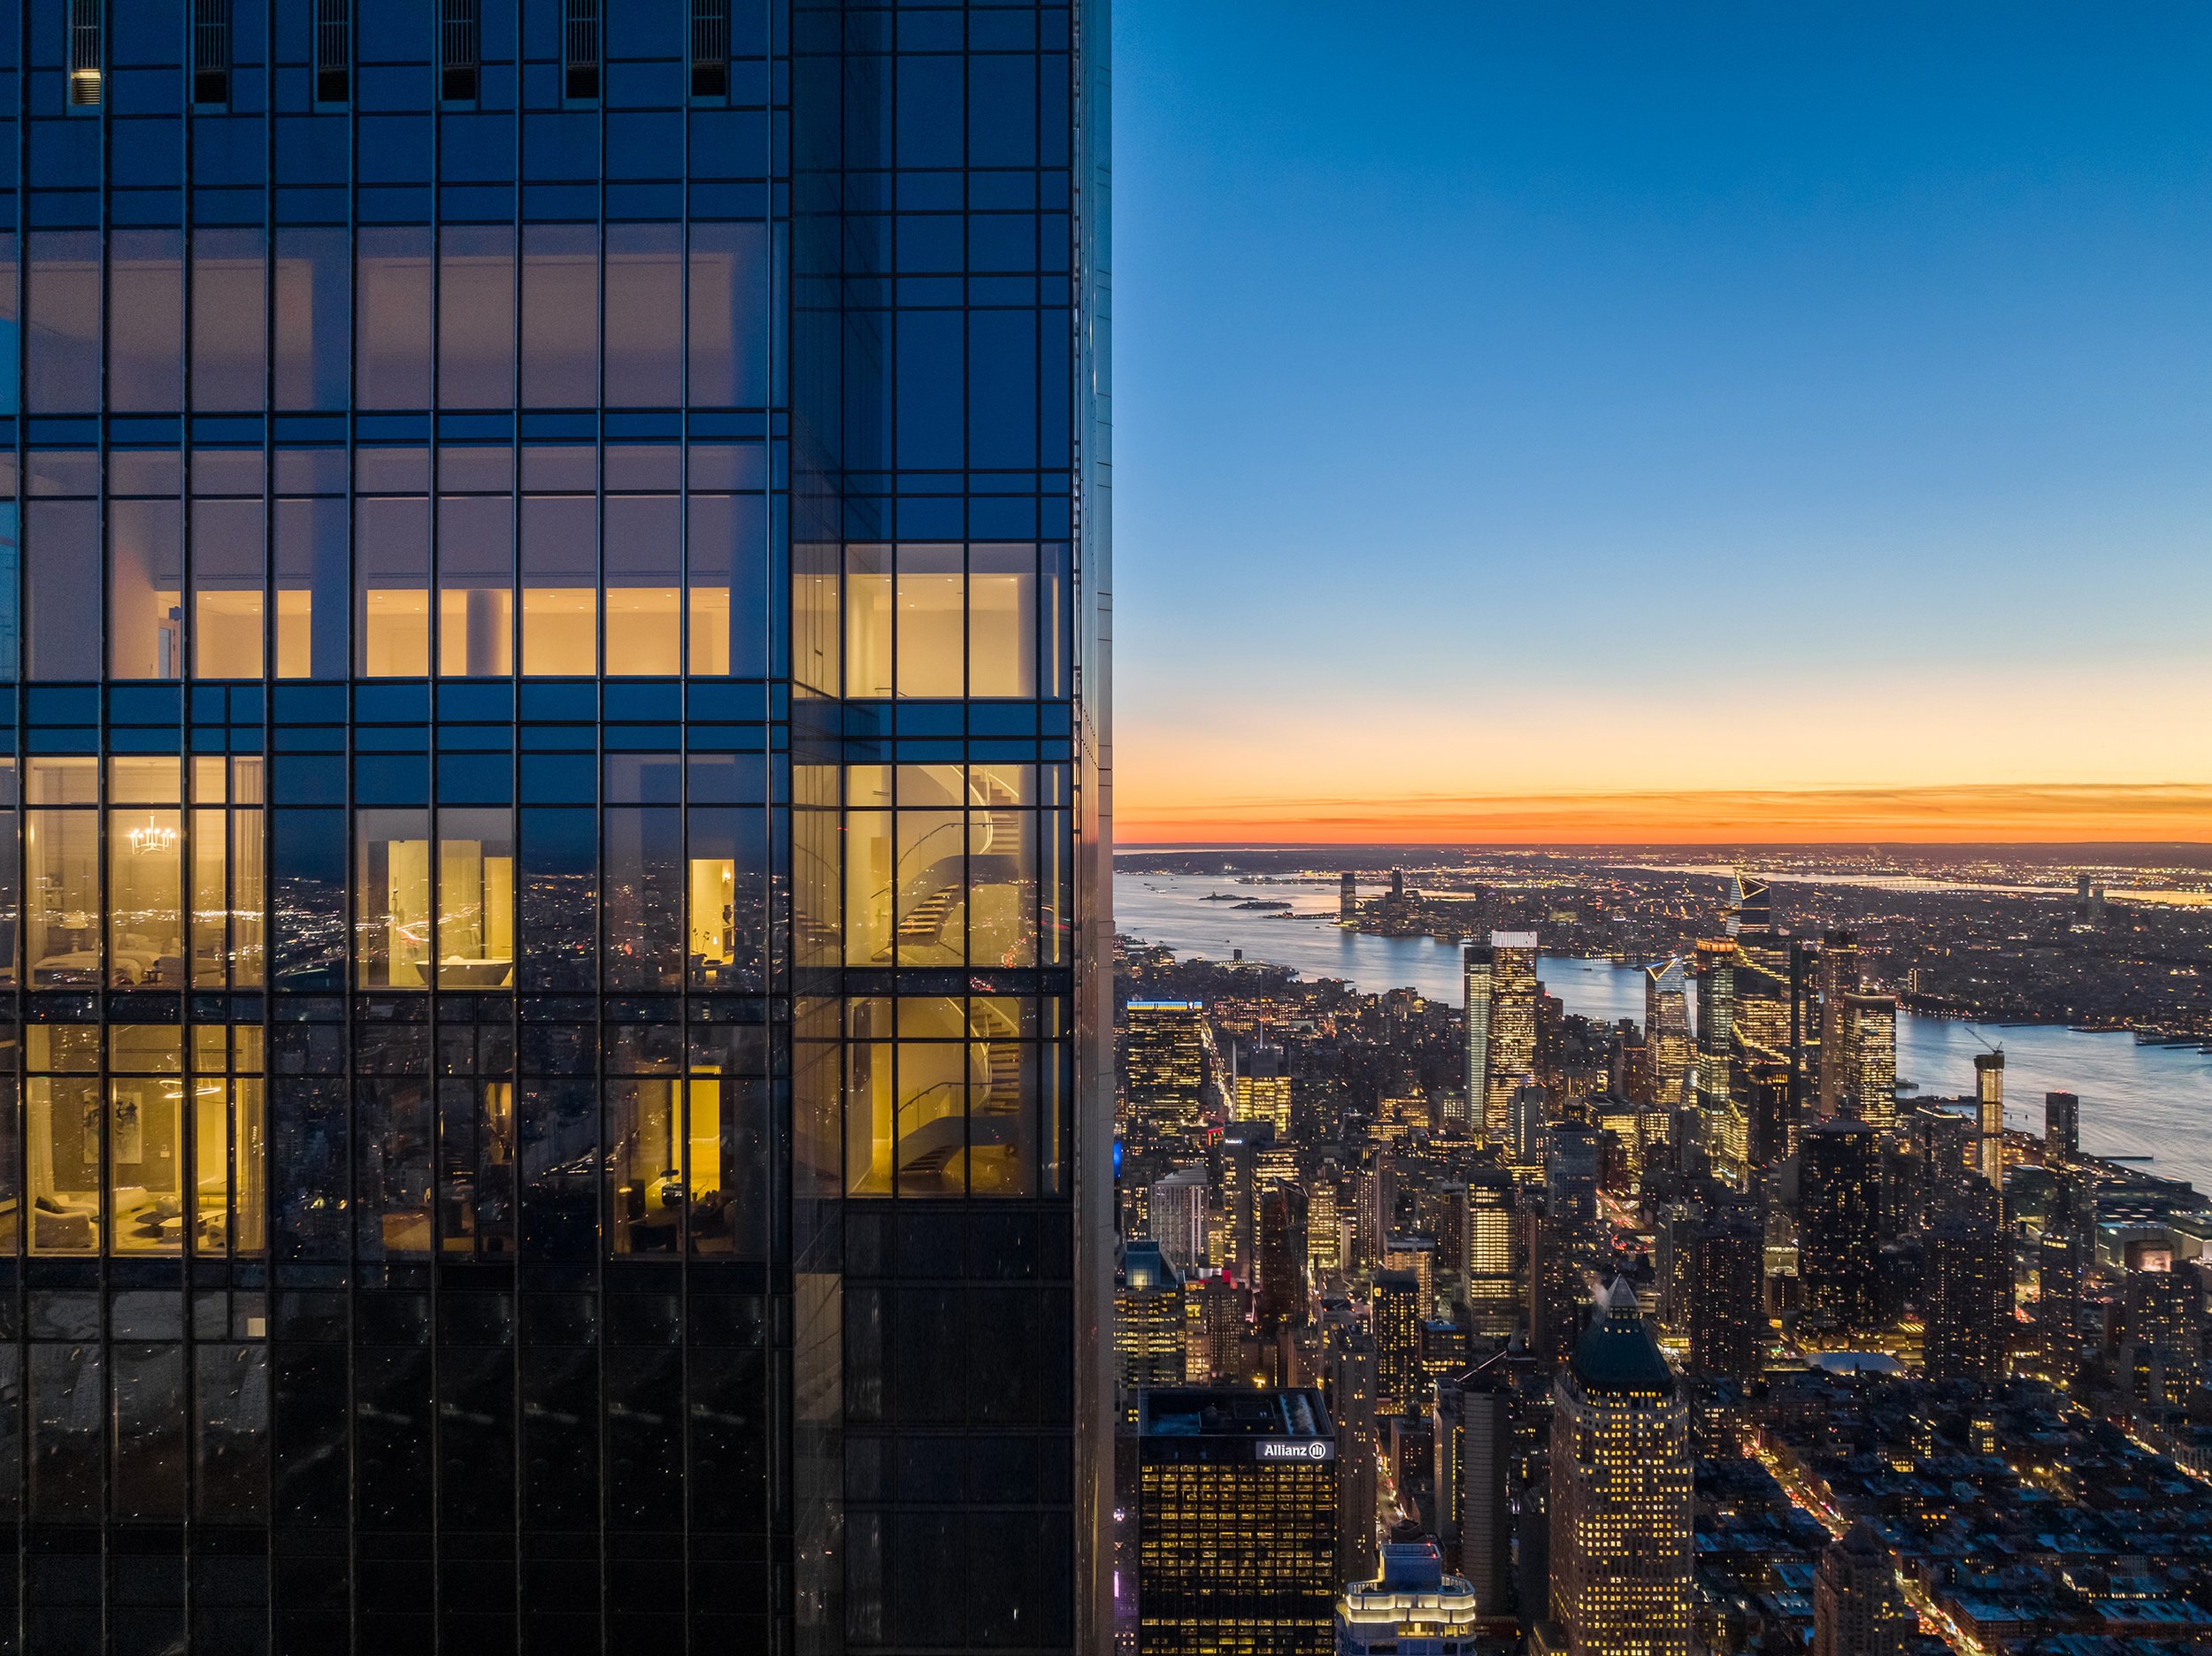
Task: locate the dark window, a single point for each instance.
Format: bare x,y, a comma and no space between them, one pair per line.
85,54
459,49
710,48
580,49
211,51
334,51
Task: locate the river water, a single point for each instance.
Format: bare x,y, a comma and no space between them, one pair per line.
2136,1100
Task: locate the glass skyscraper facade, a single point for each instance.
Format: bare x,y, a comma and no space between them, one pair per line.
553,581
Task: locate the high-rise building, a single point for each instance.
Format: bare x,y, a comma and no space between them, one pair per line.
1399,1312
1989,1114
1347,899
1281,1299
2058,1303
1163,1065
558,820
1727,1308
2163,1353
1858,1609
1214,1330
1325,1228
1667,1032
1528,1128
1176,1216
1714,976
1349,1364
1236,1522
1839,1224
1490,1227
1474,1443
1150,1321
1414,1608
2062,1129
1475,974
1620,1494
1417,1255
1260,1087
1967,1297
1839,973
1512,1027
1869,1066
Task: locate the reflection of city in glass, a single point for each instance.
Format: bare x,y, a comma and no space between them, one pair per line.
544,938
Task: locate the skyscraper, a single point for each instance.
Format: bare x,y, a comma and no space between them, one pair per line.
1259,1088
1414,1608
1475,974
1164,1066
1512,1029
2062,1129
1989,1111
1727,1309
1838,1220
1620,1494
1236,1522
1149,1321
1347,899
1473,1472
1352,1403
1839,978
1399,1312
1176,1215
1858,1609
1281,1298
1968,1293
1869,1066
1490,1227
1667,1032
561,843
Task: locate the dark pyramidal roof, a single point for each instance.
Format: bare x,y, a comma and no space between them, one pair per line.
1616,1356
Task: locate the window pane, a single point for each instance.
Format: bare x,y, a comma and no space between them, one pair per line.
644,898
393,318
145,899
65,317
1002,621
62,1152
644,315
476,317
310,588
726,563
931,621
145,588
476,563
560,582
391,1168
476,899
730,314
646,1152
145,1159
560,315
227,587
146,349
643,564
61,868
228,320
394,577
314,318
62,551
392,933
868,621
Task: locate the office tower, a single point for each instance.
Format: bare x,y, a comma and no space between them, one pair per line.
1150,1321
2163,1350
1350,1365
1475,974
1490,1227
1839,1219
1620,1494
1415,1254
1838,979
1398,1312
1966,1292
1176,1216
1528,1128
1557,1287
1989,1114
1243,1146
1347,899
1667,1032
1474,1443
2058,1303
1763,1096
1280,1301
1446,1350
556,807
1260,1089
1868,1067
1236,1522
1858,1609
1164,1066
2062,1129
1414,1608
1715,979
1512,1027
1325,1228
1726,1291
1213,1346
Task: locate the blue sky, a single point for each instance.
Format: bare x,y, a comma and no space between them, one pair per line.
1589,368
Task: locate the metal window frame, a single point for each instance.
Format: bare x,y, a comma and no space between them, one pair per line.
710,49
460,50
582,60
87,53
211,51
334,51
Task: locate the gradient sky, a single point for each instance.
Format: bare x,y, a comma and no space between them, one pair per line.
1660,403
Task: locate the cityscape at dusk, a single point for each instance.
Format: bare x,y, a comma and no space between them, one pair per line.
1171,828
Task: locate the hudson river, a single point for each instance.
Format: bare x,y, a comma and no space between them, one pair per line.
2135,1100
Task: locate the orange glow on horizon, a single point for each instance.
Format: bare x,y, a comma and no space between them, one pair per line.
1995,813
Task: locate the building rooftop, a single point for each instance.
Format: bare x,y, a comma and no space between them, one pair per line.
1616,1354
1230,1412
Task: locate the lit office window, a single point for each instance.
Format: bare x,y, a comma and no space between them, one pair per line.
460,30
710,49
211,51
334,51
86,55
579,48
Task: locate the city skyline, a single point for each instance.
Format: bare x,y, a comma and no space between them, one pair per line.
1503,395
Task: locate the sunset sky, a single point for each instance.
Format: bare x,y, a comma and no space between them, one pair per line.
1710,421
